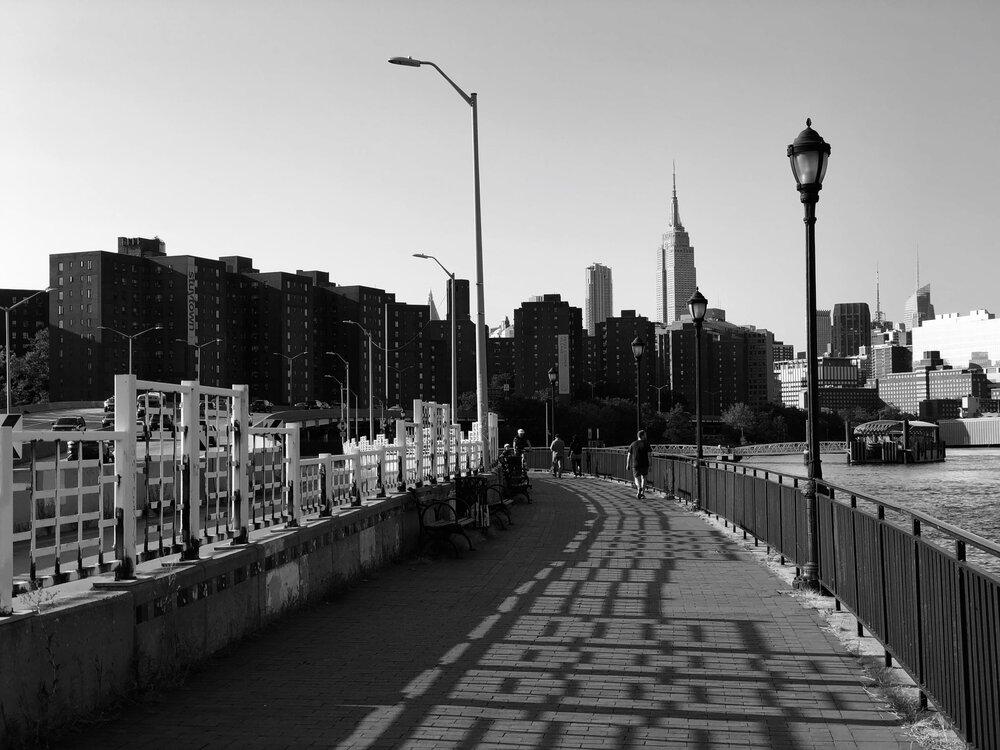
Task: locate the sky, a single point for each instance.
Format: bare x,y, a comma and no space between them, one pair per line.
278,131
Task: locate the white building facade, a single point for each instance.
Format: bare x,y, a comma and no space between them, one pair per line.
960,339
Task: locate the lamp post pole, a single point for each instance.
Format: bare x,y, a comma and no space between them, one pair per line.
659,396
371,382
698,306
808,155
131,337
199,347
347,387
454,335
6,339
481,384
553,379
291,359
638,347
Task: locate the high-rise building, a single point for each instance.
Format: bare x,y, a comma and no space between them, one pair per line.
676,278
918,308
851,328
599,305
824,333
906,390
888,358
832,373
615,363
781,351
961,339
549,333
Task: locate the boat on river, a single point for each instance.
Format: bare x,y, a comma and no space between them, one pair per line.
896,441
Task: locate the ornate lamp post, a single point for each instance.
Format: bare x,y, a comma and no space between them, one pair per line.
698,305
481,354
638,347
809,155
553,379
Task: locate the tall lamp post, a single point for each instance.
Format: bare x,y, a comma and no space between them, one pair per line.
454,335
481,382
199,347
347,387
659,396
698,305
553,380
290,360
638,347
371,385
340,393
131,337
808,155
6,339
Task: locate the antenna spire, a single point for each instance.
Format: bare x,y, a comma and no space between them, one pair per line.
675,213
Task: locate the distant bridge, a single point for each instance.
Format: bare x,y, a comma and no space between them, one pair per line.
761,449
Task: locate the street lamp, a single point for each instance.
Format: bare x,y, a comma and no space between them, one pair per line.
371,386
698,305
808,155
291,359
347,387
481,354
199,347
638,347
553,379
659,396
7,338
131,337
340,394
454,336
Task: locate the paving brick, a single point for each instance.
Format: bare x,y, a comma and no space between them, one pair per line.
596,621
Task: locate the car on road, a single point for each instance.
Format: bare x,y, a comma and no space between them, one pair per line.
260,405
109,404
167,423
70,424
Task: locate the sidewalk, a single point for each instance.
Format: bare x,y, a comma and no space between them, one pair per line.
596,621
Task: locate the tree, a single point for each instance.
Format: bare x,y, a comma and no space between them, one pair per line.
29,374
740,417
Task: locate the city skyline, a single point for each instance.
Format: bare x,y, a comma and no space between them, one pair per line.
216,137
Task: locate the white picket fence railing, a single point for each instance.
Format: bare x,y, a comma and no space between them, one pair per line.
191,470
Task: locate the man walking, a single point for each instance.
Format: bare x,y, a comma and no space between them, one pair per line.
576,455
638,462
558,448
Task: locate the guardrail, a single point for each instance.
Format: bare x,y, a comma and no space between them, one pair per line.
190,470
927,590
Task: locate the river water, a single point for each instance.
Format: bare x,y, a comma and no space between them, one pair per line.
963,490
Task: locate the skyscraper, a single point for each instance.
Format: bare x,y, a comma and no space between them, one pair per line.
676,278
851,328
599,306
918,307
824,333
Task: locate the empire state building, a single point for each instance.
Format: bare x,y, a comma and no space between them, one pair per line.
676,278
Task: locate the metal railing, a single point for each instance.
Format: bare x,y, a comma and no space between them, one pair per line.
183,467
929,591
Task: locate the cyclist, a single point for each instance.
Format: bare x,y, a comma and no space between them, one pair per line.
521,444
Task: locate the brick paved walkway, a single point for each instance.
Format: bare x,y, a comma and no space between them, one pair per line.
595,622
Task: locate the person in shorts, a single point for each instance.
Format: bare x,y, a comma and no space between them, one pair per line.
638,462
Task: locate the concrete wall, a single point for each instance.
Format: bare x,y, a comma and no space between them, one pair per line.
84,653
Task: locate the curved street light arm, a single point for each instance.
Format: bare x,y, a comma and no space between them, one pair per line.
26,299
466,97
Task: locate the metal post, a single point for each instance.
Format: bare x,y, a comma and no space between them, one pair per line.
294,483
418,438
6,351
697,409
454,351
371,408
129,355
481,353
638,393
6,519
191,427
240,470
125,485
809,578
553,411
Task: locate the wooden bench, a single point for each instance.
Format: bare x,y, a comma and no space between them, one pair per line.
441,521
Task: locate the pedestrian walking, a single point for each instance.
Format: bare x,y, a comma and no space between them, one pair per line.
638,462
576,455
558,448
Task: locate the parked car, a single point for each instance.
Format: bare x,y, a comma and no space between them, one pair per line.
261,404
167,424
108,423
70,424
109,404
302,405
